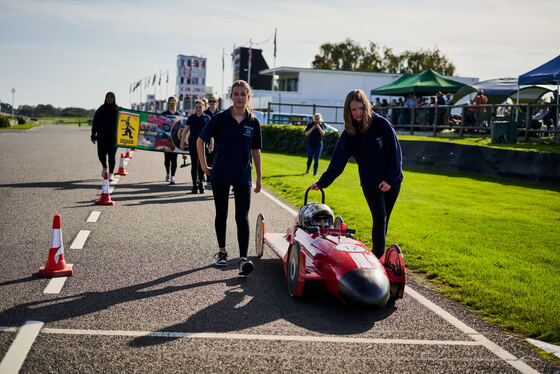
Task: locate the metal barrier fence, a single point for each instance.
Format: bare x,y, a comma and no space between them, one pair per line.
502,122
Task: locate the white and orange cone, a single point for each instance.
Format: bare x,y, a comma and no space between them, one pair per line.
121,170
56,266
105,199
128,153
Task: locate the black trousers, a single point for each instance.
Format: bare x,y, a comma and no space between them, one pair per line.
242,200
170,162
196,170
380,205
104,151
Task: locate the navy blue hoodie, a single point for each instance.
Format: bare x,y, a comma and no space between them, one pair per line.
377,153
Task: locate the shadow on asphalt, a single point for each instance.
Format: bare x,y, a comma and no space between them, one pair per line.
247,302
263,297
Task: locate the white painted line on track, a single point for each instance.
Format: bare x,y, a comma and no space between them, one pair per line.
80,239
476,336
281,204
55,285
94,216
233,336
547,347
12,361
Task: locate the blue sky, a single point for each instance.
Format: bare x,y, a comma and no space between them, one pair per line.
70,52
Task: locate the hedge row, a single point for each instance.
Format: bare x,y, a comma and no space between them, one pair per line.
289,139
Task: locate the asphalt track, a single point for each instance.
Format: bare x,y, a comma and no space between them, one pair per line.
145,296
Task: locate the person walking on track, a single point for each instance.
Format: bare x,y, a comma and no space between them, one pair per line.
238,143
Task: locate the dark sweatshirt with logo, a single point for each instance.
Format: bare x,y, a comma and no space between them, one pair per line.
377,153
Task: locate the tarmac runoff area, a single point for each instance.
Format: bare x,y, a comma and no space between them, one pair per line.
28,333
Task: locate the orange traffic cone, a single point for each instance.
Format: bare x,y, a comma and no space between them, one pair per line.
121,170
128,154
105,199
56,266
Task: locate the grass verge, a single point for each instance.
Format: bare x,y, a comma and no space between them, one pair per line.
545,145
491,244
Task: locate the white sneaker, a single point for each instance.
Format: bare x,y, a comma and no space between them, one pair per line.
171,180
167,178
111,177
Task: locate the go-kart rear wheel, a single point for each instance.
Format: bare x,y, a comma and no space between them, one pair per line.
338,221
394,262
259,235
295,283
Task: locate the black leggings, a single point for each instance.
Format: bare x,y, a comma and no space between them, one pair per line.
380,205
105,150
170,162
242,203
196,170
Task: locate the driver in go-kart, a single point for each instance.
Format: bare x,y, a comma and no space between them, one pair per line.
315,214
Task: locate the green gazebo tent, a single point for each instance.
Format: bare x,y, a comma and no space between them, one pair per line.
427,82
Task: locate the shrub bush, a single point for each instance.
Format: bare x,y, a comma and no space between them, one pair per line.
21,121
289,139
4,122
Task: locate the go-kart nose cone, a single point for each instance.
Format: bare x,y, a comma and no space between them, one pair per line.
364,287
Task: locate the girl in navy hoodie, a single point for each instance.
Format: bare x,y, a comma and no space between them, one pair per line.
372,140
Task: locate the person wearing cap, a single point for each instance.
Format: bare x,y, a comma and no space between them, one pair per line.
170,158
103,132
373,143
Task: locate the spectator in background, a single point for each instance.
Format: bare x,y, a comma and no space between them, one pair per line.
170,158
441,110
211,111
103,132
314,131
480,112
377,104
195,123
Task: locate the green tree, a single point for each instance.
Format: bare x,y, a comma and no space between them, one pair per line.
349,55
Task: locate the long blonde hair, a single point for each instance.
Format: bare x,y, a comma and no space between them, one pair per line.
242,83
360,97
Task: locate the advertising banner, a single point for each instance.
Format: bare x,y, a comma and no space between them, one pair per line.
150,131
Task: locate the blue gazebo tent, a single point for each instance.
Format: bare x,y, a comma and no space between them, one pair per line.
548,73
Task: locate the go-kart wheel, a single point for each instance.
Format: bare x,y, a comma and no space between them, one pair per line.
394,262
259,235
295,283
338,221
393,259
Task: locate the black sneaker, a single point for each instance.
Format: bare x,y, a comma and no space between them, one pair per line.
194,190
245,267
200,188
221,259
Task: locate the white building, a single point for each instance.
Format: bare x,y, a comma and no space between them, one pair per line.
191,80
322,87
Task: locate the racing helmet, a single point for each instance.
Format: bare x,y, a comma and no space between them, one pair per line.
311,214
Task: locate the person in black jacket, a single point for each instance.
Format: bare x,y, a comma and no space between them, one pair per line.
195,124
372,140
170,158
103,132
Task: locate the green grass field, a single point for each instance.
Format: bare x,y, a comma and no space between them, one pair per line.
548,145
490,244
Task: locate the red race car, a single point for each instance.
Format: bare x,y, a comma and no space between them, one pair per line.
320,247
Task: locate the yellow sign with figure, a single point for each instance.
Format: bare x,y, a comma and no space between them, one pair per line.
127,129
